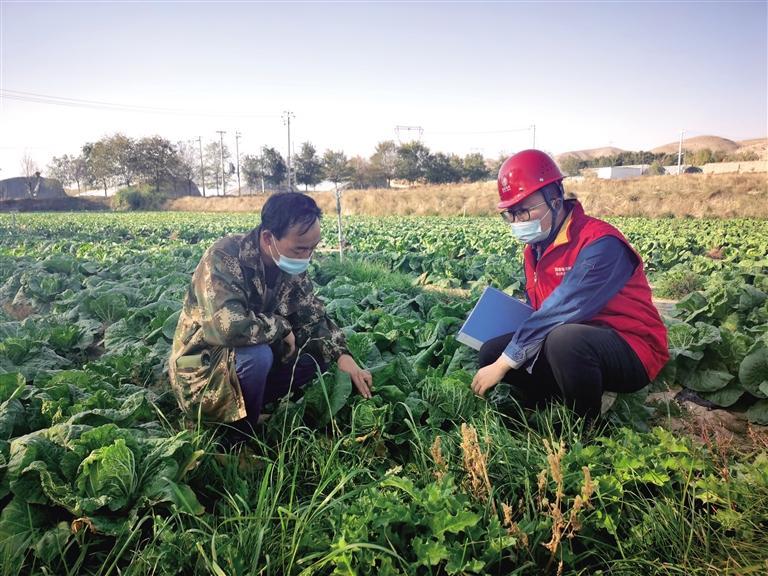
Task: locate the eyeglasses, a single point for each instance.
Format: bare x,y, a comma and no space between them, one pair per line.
521,215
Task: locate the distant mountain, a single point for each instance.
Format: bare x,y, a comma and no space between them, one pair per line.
590,154
714,143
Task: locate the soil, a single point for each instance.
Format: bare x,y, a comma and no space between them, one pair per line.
722,430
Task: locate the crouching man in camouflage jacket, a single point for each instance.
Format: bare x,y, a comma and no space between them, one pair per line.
248,312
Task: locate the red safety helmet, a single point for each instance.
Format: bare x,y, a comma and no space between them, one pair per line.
524,173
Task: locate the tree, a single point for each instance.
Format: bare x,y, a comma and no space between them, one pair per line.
125,157
308,168
275,167
336,167
440,170
412,161
32,175
253,169
384,161
79,170
185,166
475,169
655,169
363,174
155,159
495,165
99,164
701,157
457,167
62,168
212,163
570,165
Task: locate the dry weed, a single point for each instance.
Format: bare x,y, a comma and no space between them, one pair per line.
698,195
554,509
475,465
588,488
720,443
441,466
513,528
758,437
562,528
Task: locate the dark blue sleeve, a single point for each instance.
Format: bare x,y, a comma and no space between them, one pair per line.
601,269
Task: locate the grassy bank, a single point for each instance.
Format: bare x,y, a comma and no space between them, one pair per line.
690,195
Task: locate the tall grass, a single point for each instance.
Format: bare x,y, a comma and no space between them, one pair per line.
276,506
689,195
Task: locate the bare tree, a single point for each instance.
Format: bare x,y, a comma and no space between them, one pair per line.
184,166
213,155
32,174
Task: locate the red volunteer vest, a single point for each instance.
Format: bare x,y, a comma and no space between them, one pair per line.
630,313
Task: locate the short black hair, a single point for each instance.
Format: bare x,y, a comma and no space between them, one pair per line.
283,210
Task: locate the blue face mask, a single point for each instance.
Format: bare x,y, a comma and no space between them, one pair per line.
292,266
529,232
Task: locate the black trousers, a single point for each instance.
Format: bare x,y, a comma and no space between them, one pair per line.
576,364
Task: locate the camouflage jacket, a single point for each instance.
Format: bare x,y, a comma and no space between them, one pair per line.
227,306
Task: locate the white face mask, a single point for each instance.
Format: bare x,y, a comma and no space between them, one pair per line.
292,266
529,232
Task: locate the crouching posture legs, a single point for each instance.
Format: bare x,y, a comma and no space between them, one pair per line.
576,364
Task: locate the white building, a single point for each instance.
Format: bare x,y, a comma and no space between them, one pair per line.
621,172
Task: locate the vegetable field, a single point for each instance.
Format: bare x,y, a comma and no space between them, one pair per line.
99,474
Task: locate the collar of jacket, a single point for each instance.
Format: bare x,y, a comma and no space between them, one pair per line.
575,211
250,254
564,234
253,267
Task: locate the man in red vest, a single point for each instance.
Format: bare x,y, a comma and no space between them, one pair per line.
595,327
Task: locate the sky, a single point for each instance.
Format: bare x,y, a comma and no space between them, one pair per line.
471,76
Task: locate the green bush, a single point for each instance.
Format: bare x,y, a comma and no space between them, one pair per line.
677,282
141,197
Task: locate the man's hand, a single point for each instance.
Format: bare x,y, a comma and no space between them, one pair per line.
488,376
290,345
362,379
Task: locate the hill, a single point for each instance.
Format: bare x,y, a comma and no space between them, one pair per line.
589,154
757,145
714,143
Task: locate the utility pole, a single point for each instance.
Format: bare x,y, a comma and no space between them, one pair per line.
533,127
237,151
287,115
202,171
221,155
189,187
680,152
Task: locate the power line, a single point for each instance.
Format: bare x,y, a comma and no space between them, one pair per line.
35,98
408,129
471,133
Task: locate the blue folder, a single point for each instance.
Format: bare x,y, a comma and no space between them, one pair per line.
495,313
